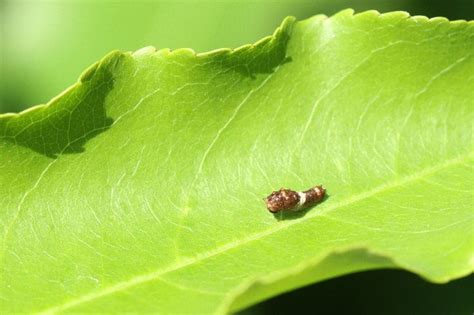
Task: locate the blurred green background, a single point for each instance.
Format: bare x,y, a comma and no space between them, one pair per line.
45,45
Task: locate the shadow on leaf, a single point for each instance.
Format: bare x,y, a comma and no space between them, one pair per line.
66,124
262,57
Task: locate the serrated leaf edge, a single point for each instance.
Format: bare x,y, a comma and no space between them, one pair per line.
285,25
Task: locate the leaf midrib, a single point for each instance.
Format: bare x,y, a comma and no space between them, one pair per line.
155,275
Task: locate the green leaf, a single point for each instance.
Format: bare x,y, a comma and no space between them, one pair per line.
140,188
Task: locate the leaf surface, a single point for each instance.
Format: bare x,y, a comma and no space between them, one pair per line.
140,188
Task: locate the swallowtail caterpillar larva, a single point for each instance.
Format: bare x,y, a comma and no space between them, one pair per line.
289,200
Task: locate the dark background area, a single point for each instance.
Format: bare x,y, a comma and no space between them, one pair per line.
388,292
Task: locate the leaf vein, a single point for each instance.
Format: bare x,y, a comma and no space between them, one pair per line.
144,278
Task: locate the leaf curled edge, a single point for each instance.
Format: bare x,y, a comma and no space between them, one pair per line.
325,266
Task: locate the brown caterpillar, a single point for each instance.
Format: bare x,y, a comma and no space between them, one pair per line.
289,200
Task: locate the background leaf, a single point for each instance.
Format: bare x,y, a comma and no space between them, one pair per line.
379,291
139,189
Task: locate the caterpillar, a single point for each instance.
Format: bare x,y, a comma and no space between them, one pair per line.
290,200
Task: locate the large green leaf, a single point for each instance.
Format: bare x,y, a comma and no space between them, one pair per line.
140,188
